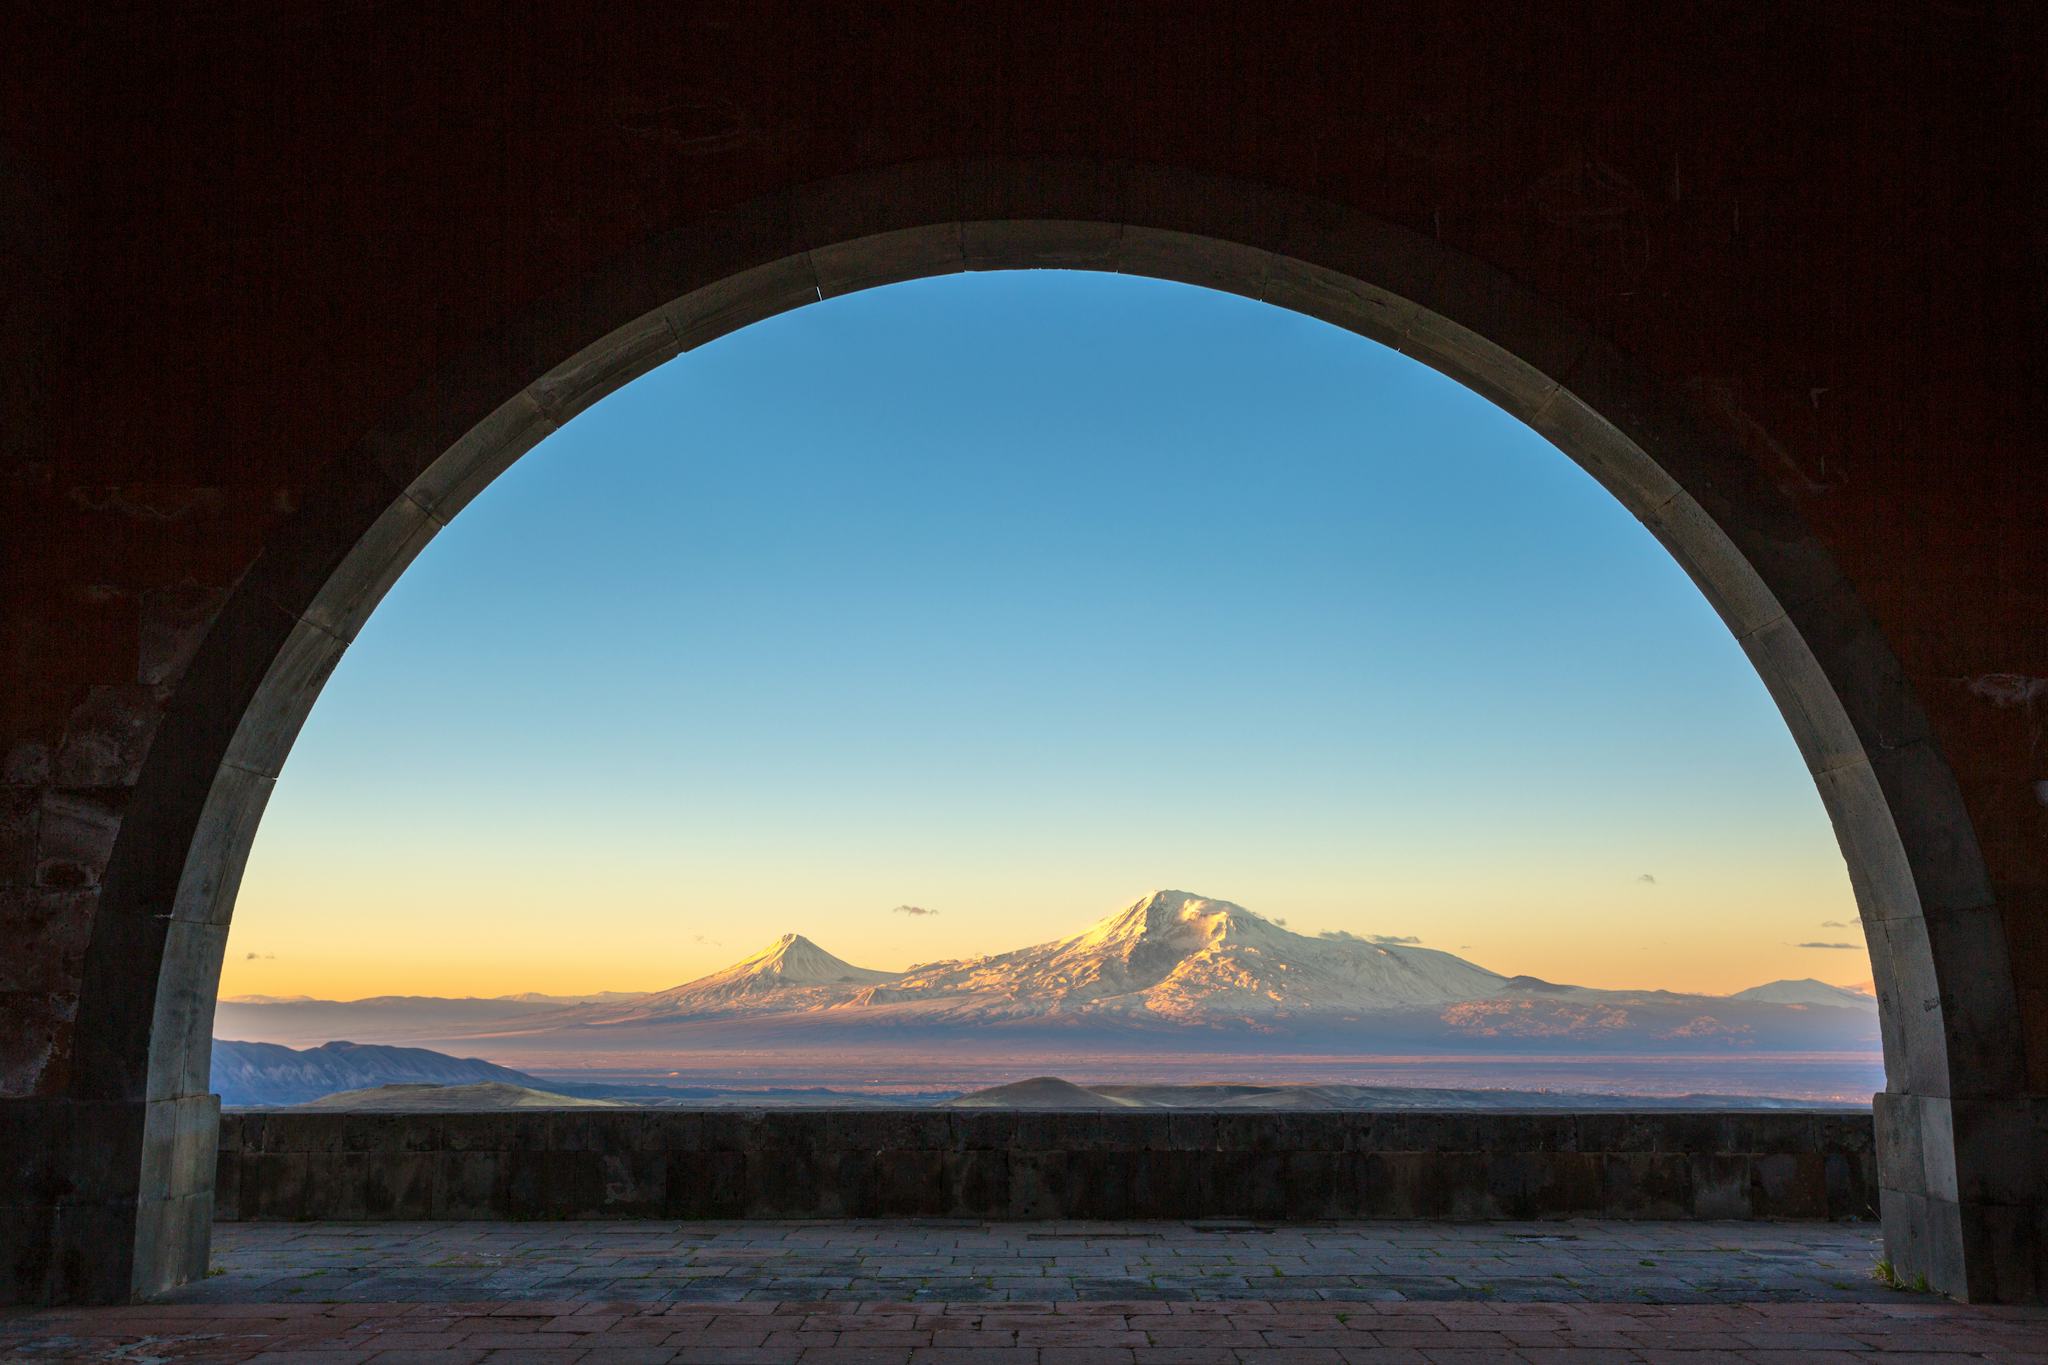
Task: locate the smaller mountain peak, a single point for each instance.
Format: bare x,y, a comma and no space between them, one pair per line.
788,948
794,958
1535,983
1803,991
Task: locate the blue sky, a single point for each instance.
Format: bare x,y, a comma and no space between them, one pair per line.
1015,596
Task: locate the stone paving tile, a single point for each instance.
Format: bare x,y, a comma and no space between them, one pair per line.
979,1262
880,1293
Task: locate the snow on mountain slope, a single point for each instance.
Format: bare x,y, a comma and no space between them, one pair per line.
1170,965
791,973
1170,957
1183,958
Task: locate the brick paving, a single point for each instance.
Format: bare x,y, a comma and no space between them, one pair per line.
928,1293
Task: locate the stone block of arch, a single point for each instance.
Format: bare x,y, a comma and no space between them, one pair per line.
111,1154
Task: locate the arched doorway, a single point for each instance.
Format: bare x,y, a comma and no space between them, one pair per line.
153,964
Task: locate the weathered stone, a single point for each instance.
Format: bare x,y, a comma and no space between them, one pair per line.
47,932
75,833
107,736
174,622
26,764
706,1184
467,1184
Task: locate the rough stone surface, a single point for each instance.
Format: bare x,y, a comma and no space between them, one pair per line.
828,1164
936,1292
964,1260
104,1200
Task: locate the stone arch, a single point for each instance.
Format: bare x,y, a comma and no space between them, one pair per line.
142,1045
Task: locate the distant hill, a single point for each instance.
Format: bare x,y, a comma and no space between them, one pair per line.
1040,1092
454,1099
489,1003
402,1019
1807,991
1050,1092
259,1075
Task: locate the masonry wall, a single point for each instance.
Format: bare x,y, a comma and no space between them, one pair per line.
268,261
833,1164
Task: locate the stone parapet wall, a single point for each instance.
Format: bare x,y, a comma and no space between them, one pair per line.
1022,1165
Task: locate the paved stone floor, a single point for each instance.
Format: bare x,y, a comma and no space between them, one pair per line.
952,1262
928,1293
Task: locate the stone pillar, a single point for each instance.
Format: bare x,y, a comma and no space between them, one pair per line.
105,1201
1964,1194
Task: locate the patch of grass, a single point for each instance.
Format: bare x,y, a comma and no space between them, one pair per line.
1651,1264
1885,1274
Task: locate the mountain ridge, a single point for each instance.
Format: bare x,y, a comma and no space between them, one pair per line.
252,1075
1171,969
1177,956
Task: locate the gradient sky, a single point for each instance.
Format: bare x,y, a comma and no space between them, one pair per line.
1012,597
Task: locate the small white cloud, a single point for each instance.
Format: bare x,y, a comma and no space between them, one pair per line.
1647,880
1383,940
1827,945
914,911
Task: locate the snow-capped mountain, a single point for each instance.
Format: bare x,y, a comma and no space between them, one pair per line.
791,973
1170,957
1171,970
1184,958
